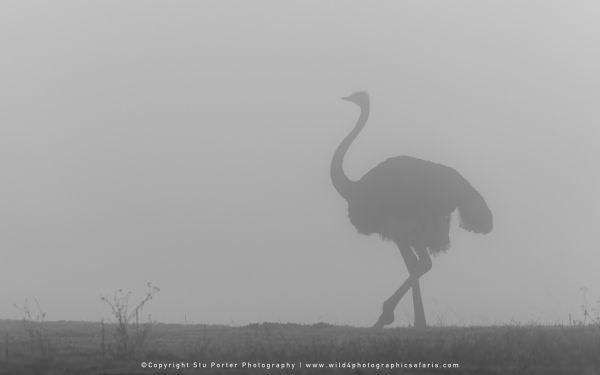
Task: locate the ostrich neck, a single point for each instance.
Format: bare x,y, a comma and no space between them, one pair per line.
341,182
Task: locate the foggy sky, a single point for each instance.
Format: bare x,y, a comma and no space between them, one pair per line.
188,144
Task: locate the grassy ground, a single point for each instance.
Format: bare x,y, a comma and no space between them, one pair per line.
75,348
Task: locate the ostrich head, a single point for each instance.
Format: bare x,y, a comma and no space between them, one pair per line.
360,98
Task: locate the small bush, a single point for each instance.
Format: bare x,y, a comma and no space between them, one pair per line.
34,325
130,335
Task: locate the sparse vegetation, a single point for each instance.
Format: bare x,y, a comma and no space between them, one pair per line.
590,314
34,321
596,311
511,349
130,335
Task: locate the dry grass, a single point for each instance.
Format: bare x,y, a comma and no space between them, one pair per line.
510,349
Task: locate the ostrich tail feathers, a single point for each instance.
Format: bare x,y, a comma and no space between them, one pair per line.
474,213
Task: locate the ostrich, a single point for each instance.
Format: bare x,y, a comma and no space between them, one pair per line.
408,201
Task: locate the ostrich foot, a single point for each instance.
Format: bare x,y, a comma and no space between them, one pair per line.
386,317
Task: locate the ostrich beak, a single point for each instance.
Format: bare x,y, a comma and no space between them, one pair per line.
345,98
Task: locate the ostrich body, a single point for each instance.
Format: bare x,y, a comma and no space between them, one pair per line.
408,201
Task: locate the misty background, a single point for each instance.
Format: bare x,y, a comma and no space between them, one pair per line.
188,144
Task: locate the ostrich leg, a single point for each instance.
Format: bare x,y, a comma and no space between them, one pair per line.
419,322
412,265
424,265
416,267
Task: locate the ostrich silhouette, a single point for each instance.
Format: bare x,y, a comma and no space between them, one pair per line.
408,201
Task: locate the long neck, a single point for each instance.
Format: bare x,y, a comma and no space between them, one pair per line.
341,182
